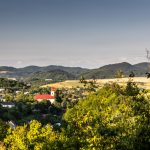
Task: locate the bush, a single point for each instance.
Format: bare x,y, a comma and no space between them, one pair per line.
132,89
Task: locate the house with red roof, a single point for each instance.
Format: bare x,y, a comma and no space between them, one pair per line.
50,97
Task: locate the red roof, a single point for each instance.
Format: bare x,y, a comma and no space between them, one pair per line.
44,96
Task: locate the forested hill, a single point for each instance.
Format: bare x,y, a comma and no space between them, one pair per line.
107,71
47,72
55,75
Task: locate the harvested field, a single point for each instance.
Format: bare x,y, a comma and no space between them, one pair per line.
142,82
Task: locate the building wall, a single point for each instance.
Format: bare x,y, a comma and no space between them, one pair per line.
51,100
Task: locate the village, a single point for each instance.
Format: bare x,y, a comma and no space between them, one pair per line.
19,105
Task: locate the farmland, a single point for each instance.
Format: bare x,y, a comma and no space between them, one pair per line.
142,82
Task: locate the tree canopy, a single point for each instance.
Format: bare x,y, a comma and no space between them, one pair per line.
110,119
115,117
33,136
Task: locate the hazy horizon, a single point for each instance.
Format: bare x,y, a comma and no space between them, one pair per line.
73,66
84,33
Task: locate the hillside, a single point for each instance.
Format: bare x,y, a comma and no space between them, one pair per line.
30,72
6,68
142,82
55,75
107,71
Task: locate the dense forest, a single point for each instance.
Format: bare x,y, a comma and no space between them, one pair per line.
114,117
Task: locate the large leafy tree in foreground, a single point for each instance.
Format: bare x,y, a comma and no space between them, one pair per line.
109,119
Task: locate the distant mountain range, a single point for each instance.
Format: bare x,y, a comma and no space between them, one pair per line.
64,73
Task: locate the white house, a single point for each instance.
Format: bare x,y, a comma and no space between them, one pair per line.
7,104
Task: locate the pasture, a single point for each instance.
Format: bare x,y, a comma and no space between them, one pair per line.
142,82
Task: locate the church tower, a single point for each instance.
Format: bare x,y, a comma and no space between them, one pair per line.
53,91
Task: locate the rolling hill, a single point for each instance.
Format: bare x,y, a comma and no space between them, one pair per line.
36,71
68,73
55,75
109,71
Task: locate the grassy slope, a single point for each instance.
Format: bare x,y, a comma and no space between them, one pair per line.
143,82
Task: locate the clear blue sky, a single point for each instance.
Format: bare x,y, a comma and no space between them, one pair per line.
86,33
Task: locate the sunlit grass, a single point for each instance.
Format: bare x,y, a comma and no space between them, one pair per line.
142,82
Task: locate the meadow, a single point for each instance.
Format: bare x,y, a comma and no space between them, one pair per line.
142,82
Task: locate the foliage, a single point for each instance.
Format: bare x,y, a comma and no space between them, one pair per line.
131,88
21,97
2,146
115,117
32,136
58,96
132,74
109,120
119,74
3,129
9,97
12,84
89,85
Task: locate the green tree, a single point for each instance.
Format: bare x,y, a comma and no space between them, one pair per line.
3,129
119,74
58,96
33,136
82,80
131,88
89,85
9,97
20,97
132,74
108,120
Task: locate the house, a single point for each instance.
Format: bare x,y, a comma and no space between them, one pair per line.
18,92
48,79
7,104
26,93
58,124
11,124
50,97
14,79
2,99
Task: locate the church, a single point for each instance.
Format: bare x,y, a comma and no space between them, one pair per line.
50,97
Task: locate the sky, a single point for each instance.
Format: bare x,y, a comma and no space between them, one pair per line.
85,33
